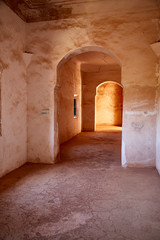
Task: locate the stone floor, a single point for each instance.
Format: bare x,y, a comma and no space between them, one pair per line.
87,196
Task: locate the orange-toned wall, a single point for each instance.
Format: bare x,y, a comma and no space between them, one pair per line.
69,84
109,104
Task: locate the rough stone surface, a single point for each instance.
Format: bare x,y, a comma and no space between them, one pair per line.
86,196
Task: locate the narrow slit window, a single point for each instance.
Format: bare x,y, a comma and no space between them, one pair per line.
75,107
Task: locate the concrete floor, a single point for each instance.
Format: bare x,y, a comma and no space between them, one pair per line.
87,196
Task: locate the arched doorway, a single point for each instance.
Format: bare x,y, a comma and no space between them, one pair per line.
78,74
108,105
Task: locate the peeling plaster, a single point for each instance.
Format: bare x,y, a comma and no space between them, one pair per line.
137,125
143,113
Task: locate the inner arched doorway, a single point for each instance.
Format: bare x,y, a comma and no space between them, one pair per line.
108,105
78,75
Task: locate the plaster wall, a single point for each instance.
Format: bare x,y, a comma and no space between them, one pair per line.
158,132
70,85
156,49
109,105
13,141
127,30
90,80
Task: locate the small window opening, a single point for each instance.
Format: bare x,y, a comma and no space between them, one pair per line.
75,106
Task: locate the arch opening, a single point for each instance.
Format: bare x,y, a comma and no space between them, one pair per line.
79,73
108,106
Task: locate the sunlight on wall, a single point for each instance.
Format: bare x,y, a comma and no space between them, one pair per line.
108,105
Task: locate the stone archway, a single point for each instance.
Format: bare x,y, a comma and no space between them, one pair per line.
84,60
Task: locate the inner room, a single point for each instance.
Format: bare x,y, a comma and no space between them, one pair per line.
89,100
89,94
108,106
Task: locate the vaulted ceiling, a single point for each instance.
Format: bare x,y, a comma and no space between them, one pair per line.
38,10
45,10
